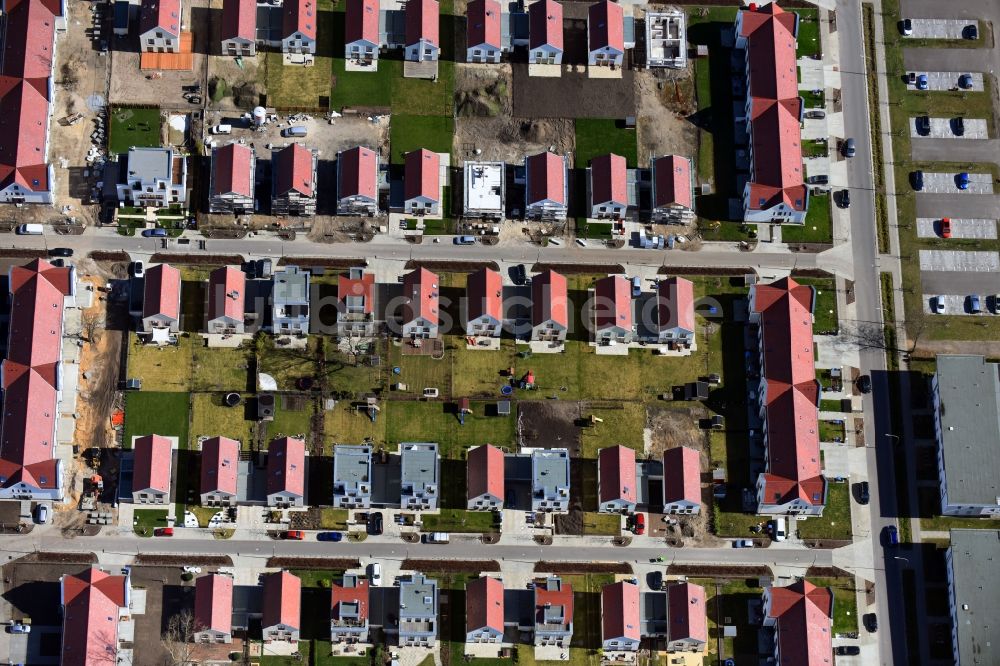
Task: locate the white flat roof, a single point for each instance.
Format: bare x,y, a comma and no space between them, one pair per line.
484,186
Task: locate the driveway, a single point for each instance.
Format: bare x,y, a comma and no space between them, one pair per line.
950,150
958,205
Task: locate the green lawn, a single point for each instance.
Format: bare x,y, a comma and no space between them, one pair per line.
597,136
830,405
418,372
602,524
435,421
290,422
845,602
218,368
835,523
601,230
152,413
333,519
146,520
286,365
618,426
295,86
344,424
363,89
808,37
410,132
210,417
818,227
423,97
825,313
165,368
946,523
204,513
458,520
133,127
830,431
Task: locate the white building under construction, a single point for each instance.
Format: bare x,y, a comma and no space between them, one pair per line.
665,40
484,190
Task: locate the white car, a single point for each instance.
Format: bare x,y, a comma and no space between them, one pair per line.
42,514
137,269
192,570
375,574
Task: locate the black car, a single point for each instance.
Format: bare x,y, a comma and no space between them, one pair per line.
923,125
375,523
818,180
906,27
958,126
970,31
917,180
518,274
843,199
847,650
848,149
865,384
61,252
863,493
871,622
965,81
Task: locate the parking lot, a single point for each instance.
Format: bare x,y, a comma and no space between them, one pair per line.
944,128
949,81
960,304
940,183
930,227
941,28
956,260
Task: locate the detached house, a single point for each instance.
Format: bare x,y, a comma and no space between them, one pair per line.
484,610
418,609
220,458
349,610
352,476
290,299
161,303
160,26
606,34
94,604
616,480
801,616
356,304
687,618
483,31
485,474
232,181
298,27
239,28
545,33
613,311
547,191
681,481
484,304
420,476
357,182
213,609
227,291
152,177
608,186
553,612
621,621
293,180
550,480
675,312
549,307
673,190
281,620
151,470
422,183
420,310
286,473
361,32
422,28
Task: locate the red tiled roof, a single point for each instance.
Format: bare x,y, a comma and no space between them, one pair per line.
620,611
232,170
282,600
681,475
422,174
213,603
606,25
483,23
608,180
675,307
545,24
546,177
613,302
162,292
28,34
357,594
485,295
561,597
162,15
91,601
153,458
299,16
358,173
286,466
239,19
420,289
485,472
794,471
293,170
484,604
549,299
361,19
686,612
422,17
227,293
365,287
616,471
771,45
673,181
219,460
802,613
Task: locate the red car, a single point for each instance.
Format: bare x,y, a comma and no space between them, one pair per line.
640,523
945,227
163,531
295,535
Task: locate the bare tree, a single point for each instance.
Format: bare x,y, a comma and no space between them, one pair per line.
92,323
179,639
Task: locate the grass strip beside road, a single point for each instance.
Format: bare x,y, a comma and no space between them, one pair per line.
878,168
888,323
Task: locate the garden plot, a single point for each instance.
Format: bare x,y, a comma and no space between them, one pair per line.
944,128
943,81
929,227
940,28
941,183
959,261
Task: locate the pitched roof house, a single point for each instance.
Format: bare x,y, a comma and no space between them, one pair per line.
151,470
483,39
675,312
788,397
621,624
673,189
361,31
553,612
293,181
547,193
213,609
227,287
356,303
357,181
420,311
545,32
613,311
219,470
606,34
160,26
232,180
92,603
239,27
485,474
422,30
281,619
681,480
549,307
30,376
161,302
616,479
608,187
801,616
484,303
422,183
349,610
484,610
286,472
687,618
298,26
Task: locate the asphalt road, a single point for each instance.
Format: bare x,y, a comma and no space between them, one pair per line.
947,60
944,282
957,205
956,150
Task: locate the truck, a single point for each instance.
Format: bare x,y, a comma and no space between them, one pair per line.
30,230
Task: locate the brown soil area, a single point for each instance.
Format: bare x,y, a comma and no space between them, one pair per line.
582,269
452,266
582,567
184,560
708,571
450,566
313,563
664,100
549,423
676,425
502,138
483,90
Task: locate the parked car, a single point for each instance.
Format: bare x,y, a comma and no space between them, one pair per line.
917,180
163,532
965,81
437,537
996,304
871,622
843,199
847,650
958,126
465,240
922,83
779,529
42,514
891,535
19,628
137,269
295,131
61,252
945,227
906,27
848,148
923,124
974,304
375,574
518,274
154,233
970,31
863,493
937,304
743,543
818,180
865,383
816,114
962,181
636,287
330,536
375,523
640,524
294,535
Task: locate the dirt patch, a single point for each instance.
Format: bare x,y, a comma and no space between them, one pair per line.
676,425
196,259
338,563
509,139
569,568
664,100
705,270
581,269
452,266
709,571
60,558
23,253
184,560
450,566
549,423
483,90
309,262
111,257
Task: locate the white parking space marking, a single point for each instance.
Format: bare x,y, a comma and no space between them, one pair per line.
941,183
958,304
960,261
940,28
949,81
944,128
930,227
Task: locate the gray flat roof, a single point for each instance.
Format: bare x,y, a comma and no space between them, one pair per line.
969,390
150,163
550,468
291,285
417,597
419,462
975,558
352,464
